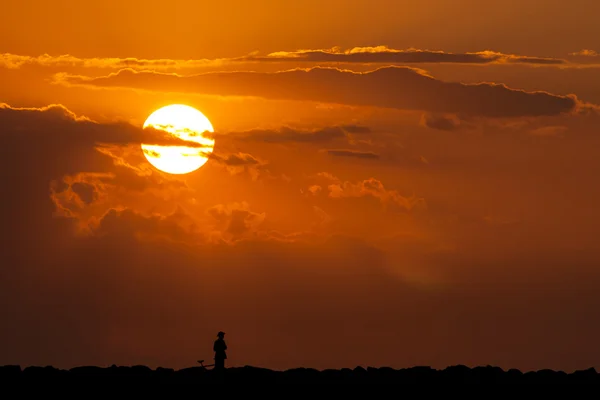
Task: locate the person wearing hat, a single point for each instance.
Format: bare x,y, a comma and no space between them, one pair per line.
219,348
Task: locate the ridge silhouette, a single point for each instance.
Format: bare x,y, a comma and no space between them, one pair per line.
248,374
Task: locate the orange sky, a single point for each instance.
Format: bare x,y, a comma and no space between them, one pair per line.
393,183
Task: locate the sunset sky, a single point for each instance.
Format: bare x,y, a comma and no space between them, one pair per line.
393,183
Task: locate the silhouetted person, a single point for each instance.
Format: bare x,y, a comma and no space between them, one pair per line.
219,348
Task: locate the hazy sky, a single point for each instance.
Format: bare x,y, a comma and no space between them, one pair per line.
393,183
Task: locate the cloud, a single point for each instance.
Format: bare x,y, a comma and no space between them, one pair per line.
85,191
76,192
243,163
235,220
72,169
315,189
235,160
388,87
337,55
286,134
390,199
15,61
585,53
585,58
82,130
126,223
554,131
386,55
440,122
353,153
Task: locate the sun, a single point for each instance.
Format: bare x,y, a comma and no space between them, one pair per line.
186,123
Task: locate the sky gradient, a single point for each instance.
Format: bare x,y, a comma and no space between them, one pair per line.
393,183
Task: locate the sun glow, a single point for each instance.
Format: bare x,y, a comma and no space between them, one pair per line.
186,123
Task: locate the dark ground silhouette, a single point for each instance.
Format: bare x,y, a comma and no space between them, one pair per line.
197,375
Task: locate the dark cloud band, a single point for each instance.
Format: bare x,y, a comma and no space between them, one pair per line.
389,87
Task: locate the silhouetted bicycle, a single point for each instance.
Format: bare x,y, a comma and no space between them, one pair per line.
201,362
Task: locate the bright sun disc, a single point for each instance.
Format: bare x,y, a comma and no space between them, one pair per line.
186,123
